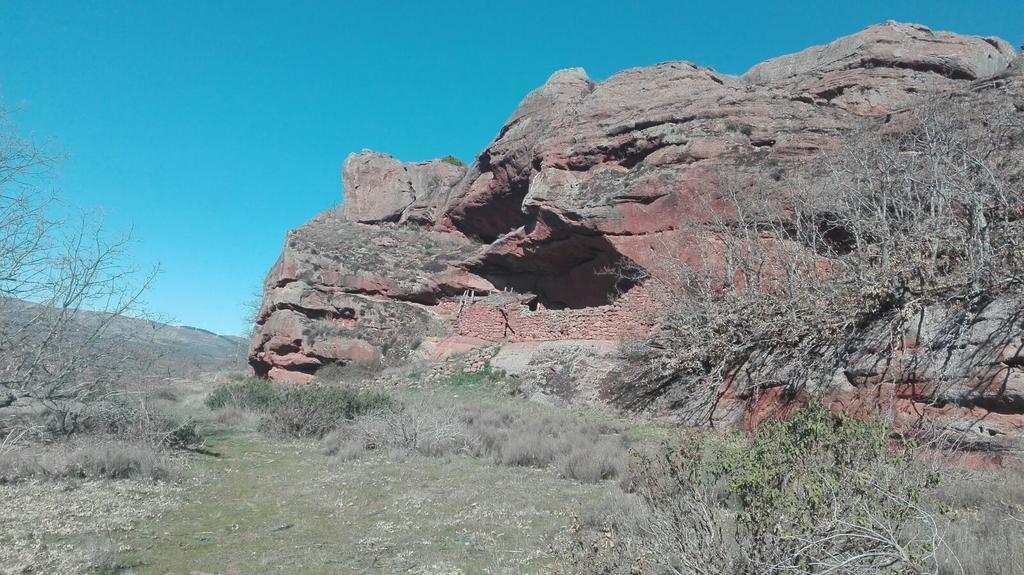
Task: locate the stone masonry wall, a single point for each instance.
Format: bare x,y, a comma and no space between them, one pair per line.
512,320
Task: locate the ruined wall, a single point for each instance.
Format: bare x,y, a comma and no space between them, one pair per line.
509,319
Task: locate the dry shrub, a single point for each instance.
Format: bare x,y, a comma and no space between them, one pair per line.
315,410
114,461
83,459
117,436
351,372
593,462
581,450
311,410
134,419
102,555
789,268
985,522
810,495
989,543
666,521
233,417
415,426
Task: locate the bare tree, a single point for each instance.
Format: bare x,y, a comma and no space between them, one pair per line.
62,284
790,267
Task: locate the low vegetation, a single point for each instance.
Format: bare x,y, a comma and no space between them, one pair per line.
118,437
792,269
86,460
297,411
449,159
505,434
581,493
813,494
983,521
256,394
268,506
315,410
355,423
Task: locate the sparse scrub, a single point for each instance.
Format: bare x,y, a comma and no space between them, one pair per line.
252,393
810,495
232,417
315,410
449,159
311,410
415,426
984,522
123,417
581,450
90,459
351,372
791,267
466,378
102,555
595,462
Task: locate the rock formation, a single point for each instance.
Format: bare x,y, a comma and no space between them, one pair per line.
586,177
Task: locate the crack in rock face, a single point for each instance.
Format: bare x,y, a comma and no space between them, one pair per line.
555,231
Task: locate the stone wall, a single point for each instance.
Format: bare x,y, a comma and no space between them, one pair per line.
510,319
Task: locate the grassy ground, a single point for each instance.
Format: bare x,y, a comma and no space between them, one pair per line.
265,507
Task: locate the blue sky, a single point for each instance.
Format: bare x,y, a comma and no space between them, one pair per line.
211,128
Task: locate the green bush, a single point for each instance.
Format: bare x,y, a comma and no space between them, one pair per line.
254,393
314,410
819,486
811,494
466,378
310,410
449,159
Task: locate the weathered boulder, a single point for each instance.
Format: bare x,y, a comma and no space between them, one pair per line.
379,188
345,292
875,70
488,201
961,363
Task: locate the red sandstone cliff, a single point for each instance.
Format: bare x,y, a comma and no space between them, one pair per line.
586,176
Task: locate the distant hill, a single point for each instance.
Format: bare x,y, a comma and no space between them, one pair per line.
172,351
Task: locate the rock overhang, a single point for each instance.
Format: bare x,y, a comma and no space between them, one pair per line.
586,177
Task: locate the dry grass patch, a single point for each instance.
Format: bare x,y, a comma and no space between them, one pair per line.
86,459
505,433
985,529
68,526
272,507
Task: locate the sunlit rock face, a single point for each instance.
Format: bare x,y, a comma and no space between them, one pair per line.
587,177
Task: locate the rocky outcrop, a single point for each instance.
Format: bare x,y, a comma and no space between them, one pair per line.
344,291
958,364
587,177
869,71
379,188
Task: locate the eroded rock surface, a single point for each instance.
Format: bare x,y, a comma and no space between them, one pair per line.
379,188
586,177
